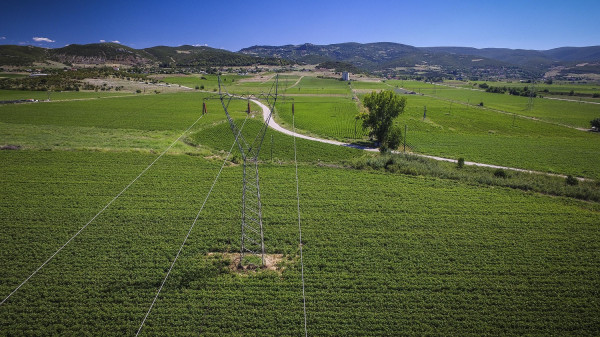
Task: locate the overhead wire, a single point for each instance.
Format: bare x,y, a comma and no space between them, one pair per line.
299,224
190,230
100,212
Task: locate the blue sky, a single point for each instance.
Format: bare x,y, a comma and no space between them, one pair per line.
232,25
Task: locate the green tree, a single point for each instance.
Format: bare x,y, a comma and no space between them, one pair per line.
383,108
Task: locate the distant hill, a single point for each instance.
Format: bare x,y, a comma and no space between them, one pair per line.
21,55
205,56
366,56
575,54
385,56
113,53
521,57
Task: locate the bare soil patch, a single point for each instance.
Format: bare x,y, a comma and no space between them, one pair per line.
274,262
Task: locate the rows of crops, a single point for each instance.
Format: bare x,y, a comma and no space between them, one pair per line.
563,112
456,130
326,116
9,95
383,254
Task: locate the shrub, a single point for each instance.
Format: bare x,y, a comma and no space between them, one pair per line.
500,173
197,87
595,123
461,162
138,91
571,181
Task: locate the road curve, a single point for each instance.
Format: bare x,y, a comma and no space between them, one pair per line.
273,125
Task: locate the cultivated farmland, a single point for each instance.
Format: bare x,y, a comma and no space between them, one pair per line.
383,253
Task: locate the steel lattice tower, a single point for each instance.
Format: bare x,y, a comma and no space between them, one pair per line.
252,236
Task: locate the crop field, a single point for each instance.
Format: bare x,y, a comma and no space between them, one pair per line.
8,95
570,113
325,116
424,257
455,130
383,254
12,75
564,87
208,81
370,85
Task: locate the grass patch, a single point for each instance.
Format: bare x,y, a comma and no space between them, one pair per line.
418,166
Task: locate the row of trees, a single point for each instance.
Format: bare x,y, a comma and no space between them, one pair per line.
525,91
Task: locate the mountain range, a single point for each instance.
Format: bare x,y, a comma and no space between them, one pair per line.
384,58
113,53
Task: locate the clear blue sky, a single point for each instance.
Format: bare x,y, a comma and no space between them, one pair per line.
232,25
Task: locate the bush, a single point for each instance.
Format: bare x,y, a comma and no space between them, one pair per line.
138,91
480,104
571,181
595,123
500,173
197,87
461,162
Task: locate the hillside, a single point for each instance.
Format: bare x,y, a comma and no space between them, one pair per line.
21,55
113,53
382,58
187,55
385,57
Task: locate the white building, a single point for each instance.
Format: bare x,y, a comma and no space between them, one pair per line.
345,76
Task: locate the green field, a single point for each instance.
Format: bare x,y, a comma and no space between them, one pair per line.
12,75
422,258
384,254
7,95
455,130
325,116
561,112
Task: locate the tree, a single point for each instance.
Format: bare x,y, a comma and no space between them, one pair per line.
383,108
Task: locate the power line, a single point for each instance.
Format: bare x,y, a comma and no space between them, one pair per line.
101,211
190,230
299,222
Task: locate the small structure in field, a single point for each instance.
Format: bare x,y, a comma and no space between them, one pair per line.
345,76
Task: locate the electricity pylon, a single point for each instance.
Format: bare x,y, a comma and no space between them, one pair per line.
252,234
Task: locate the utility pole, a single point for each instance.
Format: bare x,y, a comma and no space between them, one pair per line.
531,95
405,129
